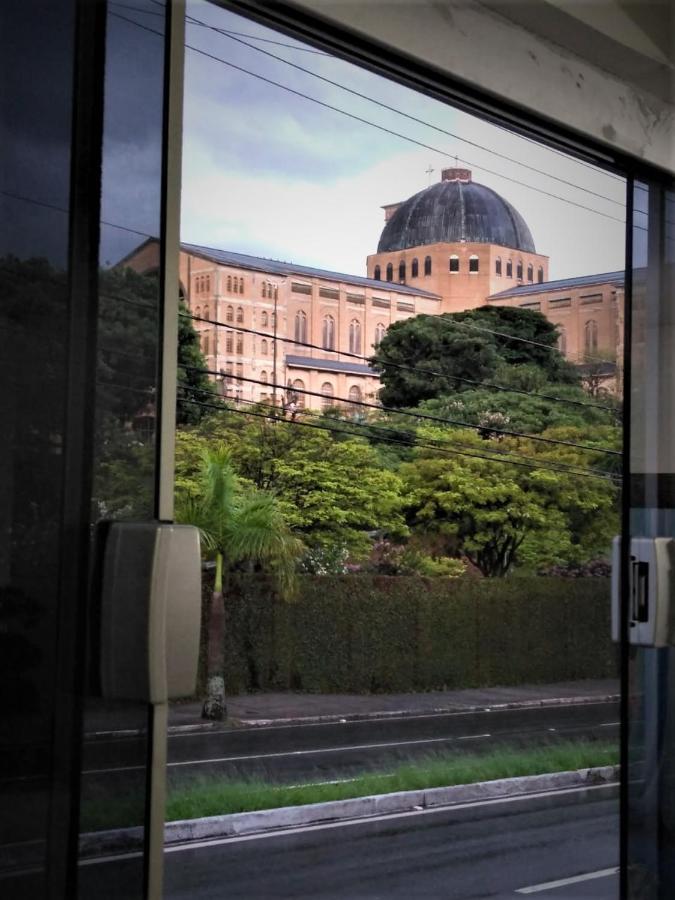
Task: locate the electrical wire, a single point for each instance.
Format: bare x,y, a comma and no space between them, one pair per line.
370,124
399,366
414,415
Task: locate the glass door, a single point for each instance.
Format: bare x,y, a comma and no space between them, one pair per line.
649,774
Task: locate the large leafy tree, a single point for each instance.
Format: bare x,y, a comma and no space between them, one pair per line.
239,526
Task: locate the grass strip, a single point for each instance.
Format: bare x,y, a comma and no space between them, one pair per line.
220,796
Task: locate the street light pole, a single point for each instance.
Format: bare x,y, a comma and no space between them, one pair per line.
274,349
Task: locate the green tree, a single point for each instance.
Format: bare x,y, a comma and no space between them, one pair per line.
192,382
239,527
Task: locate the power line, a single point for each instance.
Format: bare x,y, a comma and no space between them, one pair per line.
399,366
231,35
363,121
269,416
414,415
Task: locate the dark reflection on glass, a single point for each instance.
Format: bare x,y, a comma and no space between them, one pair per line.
36,53
114,777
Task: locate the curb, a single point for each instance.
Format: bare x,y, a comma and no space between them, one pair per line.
338,719
270,820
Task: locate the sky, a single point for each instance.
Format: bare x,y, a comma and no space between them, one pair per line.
275,174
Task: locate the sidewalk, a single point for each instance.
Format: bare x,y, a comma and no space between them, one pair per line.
280,708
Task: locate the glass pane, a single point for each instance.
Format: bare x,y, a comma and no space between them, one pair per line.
651,761
36,72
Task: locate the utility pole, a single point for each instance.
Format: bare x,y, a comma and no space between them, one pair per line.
274,349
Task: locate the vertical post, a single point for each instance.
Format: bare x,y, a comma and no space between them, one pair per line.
274,353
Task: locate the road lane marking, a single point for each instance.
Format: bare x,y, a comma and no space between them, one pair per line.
346,823
562,882
292,753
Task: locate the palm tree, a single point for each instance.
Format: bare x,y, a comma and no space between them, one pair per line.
236,525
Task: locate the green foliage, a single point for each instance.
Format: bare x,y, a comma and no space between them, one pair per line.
192,383
359,633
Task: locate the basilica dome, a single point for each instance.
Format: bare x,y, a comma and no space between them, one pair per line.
453,210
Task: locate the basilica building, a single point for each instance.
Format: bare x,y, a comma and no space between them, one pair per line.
276,332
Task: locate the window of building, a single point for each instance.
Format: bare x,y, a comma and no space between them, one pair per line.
240,343
263,347
229,282
379,333
241,285
273,319
328,394
264,319
205,345
591,336
560,301
264,289
355,394
401,271
206,312
240,314
329,293
299,385
530,273
328,335
473,263
427,265
355,336
509,268
562,339
498,266
415,268
263,376
540,274
229,314
301,327
276,291
299,287
229,342
519,270
454,263
390,272
198,311
377,275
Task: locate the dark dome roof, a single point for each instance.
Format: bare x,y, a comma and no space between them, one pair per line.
455,209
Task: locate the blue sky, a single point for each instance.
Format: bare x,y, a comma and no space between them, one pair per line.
273,174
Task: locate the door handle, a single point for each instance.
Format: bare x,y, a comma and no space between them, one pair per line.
651,584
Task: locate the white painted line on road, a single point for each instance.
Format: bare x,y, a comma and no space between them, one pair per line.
562,882
291,753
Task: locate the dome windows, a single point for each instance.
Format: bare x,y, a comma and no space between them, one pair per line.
453,263
473,264
540,274
390,272
498,266
427,265
377,273
401,271
530,273
509,268
519,270
415,268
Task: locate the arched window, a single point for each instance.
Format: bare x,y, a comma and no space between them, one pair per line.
355,394
355,336
263,347
401,271
240,314
427,265
208,282
453,264
328,394
205,345
229,314
299,385
540,274
198,311
273,319
276,291
264,289
509,268
519,270
390,272
229,342
206,312
328,336
241,285
415,269
229,282
263,319
530,273
379,333
263,376
301,327
562,339
473,263
376,273
498,266
240,343
591,336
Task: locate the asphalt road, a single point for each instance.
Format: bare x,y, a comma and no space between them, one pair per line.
320,752
560,846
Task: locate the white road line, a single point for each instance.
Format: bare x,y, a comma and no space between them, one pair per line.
280,754
562,882
347,823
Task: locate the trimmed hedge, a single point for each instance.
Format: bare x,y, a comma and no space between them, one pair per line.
362,634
